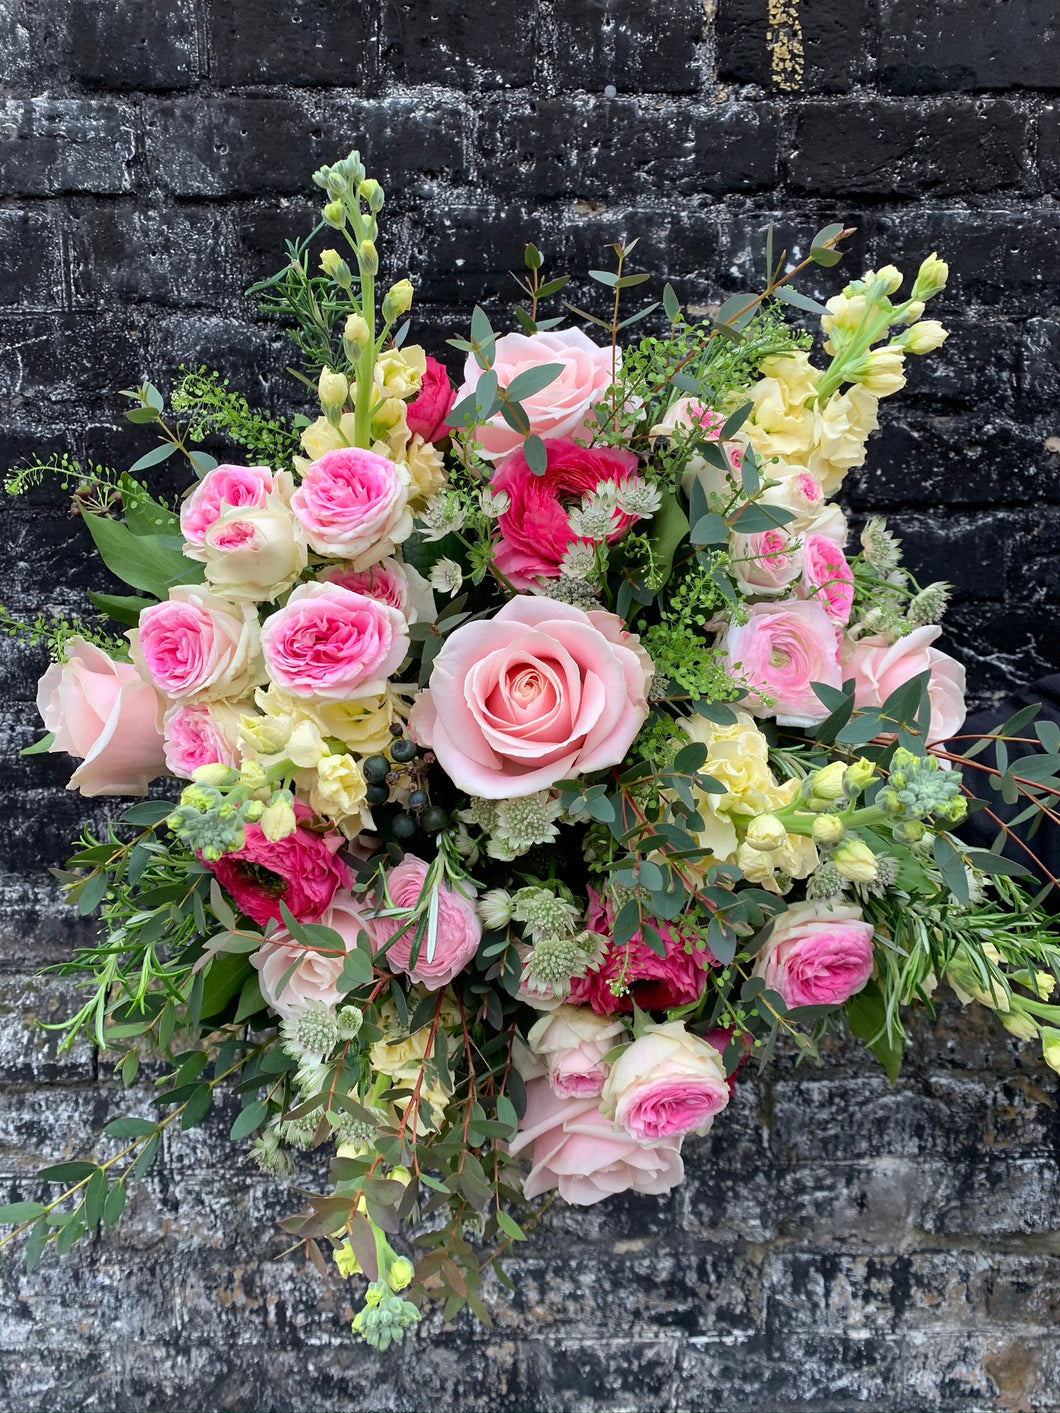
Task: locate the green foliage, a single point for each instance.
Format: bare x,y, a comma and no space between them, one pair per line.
215,409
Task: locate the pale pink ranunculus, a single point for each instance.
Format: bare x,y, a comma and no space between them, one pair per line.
315,975
198,646
459,927
535,531
332,643
302,870
425,415
780,650
827,577
767,563
201,733
540,691
818,954
223,488
104,714
563,408
879,668
391,582
582,1154
666,1084
354,504
572,1042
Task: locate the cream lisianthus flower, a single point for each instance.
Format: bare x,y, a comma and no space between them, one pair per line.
340,794
738,758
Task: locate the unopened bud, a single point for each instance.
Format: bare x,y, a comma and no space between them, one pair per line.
857,777
890,277
372,193
253,810
397,300
333,265
827,784
924,337
931,277
214,774
1019,1024
368,257
400,1274
355,335
828,830
1051,1047
767,833
253,775
855,861
334,214
332,389
278,819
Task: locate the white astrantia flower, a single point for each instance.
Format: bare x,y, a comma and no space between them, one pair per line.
443,515
446,577
494,503
638,498
543,914
579,560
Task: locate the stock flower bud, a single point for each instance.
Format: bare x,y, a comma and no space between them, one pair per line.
1019,1024
332,389
828,830
253,776
278,819
827,783
334,214
858,776
855,861
924,337
767,833
400,1274
913,310
931,277
1051,1047
890,277
333,265
397,300
214,774
355,335
368,258
371,192
880,372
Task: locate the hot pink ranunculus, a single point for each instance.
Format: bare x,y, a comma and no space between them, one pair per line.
540,691
354,504
666,1084
223,488
583,1154
459,927
572,1042
103,713
196,645
879,668
818,954
534,529
827,577
200,734
332,643
655,983
559,410
779,651
315,974
301,870
425,415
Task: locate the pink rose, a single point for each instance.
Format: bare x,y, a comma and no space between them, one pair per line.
200,734
459,927
391,582
827,577
559,410
817,954
534,529
666,1084
779,652
300,870
765,564
196,645
315,975
539,692
879,668
354,504
103,713
425,415
223,488
578,1151
572,1041
331,643
654,983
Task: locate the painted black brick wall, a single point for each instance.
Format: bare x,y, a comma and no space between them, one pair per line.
838,1245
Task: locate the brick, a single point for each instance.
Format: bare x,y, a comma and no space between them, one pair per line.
31,273
957,45
308,42
112,47
944,148
135,254
491,45
1049,146
645,49
52,145
837,44
967,551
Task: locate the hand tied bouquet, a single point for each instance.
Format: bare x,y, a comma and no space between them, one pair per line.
546,755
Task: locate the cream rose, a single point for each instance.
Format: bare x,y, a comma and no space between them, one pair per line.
572,1041
666,1084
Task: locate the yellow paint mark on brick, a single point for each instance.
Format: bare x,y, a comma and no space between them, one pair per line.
784,40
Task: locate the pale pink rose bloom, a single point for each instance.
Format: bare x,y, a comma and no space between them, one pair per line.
818,954
803,495
688,413
354,504
331,643
223,488
827,577
767,563
583,1154
779,652
105,715
879,668
197,734
666,1084
254,554
315,976
559,410
572,1041
541,691
459,927
199,646
391,582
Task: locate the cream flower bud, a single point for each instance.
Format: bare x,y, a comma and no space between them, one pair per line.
855,861
332,388
827,783
1051,1047
397,300
253,776
913,310
858,776
278,820
355,335
1044,982
890,276
1019,1024
334,214
828,830
881,371
400,1274
931,277
214,774
767,833
368,257
333,265
924,337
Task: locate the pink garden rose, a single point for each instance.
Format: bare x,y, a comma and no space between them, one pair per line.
827,577
197,646
655,983
425,415
354,504
540,691
583,1154
572,1042
301,870
104,714
818,954
254,554
559,410
879,668
391,582
315,976
223,488
459,927
197,734
331,643
767,563
779,652
666,1084
534,529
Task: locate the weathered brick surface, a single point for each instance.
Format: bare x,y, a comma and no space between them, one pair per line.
837,1244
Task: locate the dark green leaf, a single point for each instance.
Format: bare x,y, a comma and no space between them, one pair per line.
197,1107
249,1120
151,458
15,1213
536,455
67,1172
129,1128
533,380
800,301
114,1206
142,561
